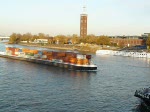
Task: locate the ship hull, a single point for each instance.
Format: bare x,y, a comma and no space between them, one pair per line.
53,63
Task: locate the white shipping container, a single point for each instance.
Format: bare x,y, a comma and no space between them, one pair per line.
37,56
8,52
80,56
21,54
84,56
43,56
27,56
16,53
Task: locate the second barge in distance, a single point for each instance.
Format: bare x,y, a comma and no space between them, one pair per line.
68,60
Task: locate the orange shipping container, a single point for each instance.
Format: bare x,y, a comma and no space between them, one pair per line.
17,49
49,58
73,60
66,59
80,61
8,48
25,50
61,54
71,55
50,53
34,51
45,52
85,61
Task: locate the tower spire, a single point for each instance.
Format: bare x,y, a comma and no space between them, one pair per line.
84,7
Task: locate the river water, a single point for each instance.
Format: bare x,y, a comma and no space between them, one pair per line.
29,87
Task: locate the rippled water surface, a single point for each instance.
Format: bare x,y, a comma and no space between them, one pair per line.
29,87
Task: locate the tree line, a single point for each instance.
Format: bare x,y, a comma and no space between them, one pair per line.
148,41
16,38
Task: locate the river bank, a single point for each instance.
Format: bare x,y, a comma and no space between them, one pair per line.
91,48
88,48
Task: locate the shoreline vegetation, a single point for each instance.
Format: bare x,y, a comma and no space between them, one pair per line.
90,43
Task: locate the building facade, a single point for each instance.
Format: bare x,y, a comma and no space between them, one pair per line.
127,42
83,25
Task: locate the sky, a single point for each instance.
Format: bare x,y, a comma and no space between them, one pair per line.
62,17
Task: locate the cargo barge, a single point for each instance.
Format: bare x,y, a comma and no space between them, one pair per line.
68,60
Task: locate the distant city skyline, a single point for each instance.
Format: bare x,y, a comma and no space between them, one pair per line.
105,17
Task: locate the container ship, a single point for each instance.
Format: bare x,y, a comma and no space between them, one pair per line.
68,60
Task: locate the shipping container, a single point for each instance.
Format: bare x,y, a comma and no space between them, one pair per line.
85,61
8,48
16,49
40,52
80,61
73,60
61,54
88,56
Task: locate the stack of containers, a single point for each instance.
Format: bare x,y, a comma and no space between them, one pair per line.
89,58
49,55
73,58
8,51
34,51
25,50
38,55
54,55
17,51
69,57
45,55
12,51
82,59
20,53
27,53
60,56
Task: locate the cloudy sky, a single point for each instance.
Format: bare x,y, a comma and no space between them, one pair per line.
54,17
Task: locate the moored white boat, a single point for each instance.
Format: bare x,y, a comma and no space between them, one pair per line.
148,55
104,52
140,54
124,53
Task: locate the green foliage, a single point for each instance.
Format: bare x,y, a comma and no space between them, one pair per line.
61,39
103,40
15,38
75,39
148,41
